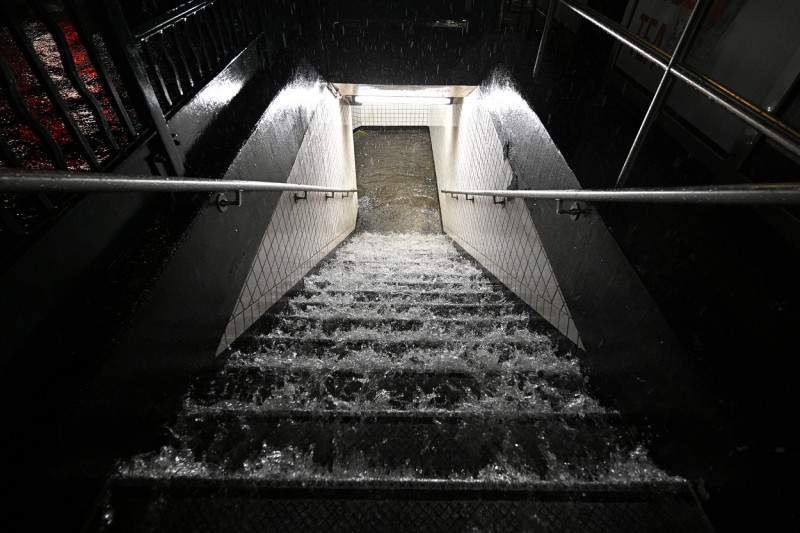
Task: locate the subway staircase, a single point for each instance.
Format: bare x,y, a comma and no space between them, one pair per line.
399,388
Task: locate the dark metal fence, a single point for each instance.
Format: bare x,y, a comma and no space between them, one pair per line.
82,91
61,109
185,48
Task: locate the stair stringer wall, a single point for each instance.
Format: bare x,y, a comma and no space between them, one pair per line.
634,360
469,155
301,233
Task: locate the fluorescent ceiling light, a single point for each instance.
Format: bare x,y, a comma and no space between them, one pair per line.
397,99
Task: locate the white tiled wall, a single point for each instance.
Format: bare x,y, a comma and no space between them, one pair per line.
503,239
301,233
404,115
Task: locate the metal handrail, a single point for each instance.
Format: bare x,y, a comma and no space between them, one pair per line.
154,26
762,194
44,182
747,111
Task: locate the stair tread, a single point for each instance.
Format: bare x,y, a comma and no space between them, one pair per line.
413,416
289,366
544,364
400,310
354,388
350,304
273,449
357,292
423,323
392,282
355,505
400,388
382,318
394,294
498,337
501,489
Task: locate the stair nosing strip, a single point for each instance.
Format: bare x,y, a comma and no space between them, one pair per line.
409,370
456,489
398,416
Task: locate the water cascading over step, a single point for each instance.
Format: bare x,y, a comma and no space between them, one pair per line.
398,389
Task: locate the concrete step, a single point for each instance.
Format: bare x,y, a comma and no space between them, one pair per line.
501,346
399,282
522,445
477,359
192,504
402,388
400,307
393,294
387,326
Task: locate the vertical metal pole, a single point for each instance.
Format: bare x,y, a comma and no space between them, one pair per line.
693,26
547,22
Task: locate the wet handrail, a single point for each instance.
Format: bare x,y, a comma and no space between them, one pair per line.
154,26
761,194
44,182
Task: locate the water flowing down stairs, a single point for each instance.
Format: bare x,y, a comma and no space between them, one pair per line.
398,389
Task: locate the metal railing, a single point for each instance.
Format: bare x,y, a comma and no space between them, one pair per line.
762,194
52,182
750,113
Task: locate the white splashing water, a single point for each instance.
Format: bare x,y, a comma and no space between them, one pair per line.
406,276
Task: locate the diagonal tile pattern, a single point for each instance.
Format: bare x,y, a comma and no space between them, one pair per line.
301,233
502,238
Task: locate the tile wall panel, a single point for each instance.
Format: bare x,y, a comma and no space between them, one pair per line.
390,115
301,233
469,155
404,115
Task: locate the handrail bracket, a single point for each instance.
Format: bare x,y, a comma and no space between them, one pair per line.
575,210
223,203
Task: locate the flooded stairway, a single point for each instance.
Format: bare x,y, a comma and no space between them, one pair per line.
398,389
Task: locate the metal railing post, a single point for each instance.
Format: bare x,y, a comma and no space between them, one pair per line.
545,31
696,19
